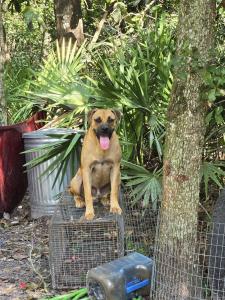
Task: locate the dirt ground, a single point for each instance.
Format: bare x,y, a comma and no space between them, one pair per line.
24,269
24,256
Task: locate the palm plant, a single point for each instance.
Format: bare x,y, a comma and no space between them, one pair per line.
137,84
60,81
18,106
66,149
134,76
142,184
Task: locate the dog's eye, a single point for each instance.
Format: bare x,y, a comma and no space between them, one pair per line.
110,120
98,120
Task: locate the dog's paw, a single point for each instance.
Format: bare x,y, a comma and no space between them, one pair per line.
79,202
116,210
89,215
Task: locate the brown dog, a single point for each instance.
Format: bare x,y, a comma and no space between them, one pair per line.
100,163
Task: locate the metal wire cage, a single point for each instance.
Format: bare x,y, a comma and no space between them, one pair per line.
190,271
140,225
77,245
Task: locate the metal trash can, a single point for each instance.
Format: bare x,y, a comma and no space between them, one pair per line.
42,193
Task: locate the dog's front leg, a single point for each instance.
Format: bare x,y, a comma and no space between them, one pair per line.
115,184
86,174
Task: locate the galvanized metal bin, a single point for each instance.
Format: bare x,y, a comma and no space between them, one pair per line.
42,193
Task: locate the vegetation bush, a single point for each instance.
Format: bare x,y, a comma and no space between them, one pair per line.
129,68
29,30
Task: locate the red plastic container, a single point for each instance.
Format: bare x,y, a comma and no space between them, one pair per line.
13,180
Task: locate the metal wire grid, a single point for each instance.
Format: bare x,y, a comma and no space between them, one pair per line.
196,273
77,245
140,225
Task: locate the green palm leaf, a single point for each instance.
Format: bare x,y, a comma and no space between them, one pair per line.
212,171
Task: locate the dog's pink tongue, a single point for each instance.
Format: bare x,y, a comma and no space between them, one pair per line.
104,142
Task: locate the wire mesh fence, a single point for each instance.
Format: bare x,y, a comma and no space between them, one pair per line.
140,225
191,266
77,245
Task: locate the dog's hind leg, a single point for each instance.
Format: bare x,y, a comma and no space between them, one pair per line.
75,189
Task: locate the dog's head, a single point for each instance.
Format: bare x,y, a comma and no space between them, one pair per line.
103,122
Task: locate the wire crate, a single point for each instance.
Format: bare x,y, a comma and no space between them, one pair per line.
140,225
77,245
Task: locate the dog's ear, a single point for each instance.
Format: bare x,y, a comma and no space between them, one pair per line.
90,114
118,114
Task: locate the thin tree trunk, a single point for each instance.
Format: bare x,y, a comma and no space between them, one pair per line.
69,19
183,155
3,109
101,23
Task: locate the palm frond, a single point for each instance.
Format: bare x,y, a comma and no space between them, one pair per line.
212,171
64,153
144,185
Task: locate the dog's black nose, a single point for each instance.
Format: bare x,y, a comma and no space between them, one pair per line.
104,128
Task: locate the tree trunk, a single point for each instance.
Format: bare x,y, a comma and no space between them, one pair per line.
3,109
175,259
69,19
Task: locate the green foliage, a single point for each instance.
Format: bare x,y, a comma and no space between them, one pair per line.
59,82
29,29
212,171
135,78
214,93
130,68
144,184
134,75
67,151
16,83
80,294
213,168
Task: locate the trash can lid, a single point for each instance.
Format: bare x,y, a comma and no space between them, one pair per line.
41,133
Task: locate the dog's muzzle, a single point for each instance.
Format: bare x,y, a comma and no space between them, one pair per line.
104,133
104,130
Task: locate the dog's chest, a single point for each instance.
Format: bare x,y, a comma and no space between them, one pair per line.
100,172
